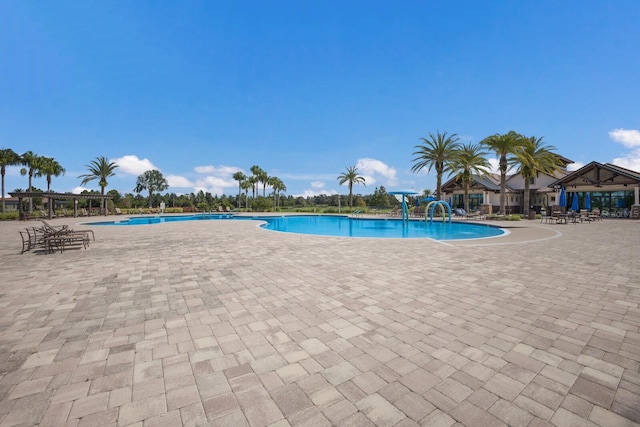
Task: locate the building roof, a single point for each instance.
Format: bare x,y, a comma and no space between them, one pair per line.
48,194
598,175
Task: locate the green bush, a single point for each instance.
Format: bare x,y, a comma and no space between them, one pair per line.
9,216
174,210
514,217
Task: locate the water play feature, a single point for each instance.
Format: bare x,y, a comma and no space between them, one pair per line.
401,195
430,210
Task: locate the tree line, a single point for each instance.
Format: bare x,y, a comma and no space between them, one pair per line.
441,152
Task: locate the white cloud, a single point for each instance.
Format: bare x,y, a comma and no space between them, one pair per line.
317,184
630,139
132,165
218,171
214,185
178,181
574,166
494,165
371,169
78,190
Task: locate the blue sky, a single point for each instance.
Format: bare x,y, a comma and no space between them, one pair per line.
304,89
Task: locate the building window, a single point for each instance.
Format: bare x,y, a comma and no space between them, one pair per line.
532,180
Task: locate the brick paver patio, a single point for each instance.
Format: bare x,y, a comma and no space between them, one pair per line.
221,323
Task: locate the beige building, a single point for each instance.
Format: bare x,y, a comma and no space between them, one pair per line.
613,190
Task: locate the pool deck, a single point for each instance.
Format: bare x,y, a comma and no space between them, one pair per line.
221,323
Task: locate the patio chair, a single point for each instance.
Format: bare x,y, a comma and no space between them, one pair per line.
26,241
62,229
45,214
62,240
585,216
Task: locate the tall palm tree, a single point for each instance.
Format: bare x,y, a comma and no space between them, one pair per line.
246,184
534,157
257,174
253,180
278,186
263,177
503,146
153,181
33,163
8,157
437,151
239,176
99,169
469,161
351,176
50,167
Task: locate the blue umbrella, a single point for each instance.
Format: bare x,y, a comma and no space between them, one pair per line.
587,203
563,198
450,201
574,202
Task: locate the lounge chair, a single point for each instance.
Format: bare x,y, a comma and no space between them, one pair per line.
62,240
29,240
395,211
45,214
61,229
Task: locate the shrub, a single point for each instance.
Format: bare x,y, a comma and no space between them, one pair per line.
173,210
13,215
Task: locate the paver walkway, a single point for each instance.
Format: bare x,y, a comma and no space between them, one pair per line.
221,323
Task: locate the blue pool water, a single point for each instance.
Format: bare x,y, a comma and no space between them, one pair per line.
157,219
341,226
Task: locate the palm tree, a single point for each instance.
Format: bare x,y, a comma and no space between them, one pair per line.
239,176
534,157
153,181
503,146
257,175
351,176
246,184
50,167
437,151
263,177
33,162
469,161
8,157
253,180
278,186
99,169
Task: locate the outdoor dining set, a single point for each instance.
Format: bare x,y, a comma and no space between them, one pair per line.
571,217
54,237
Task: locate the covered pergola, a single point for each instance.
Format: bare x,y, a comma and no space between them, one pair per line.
55,196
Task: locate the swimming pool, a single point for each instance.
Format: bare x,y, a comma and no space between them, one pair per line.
340,226
158,219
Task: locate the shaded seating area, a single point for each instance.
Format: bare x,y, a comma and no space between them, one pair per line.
51,238
51,197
